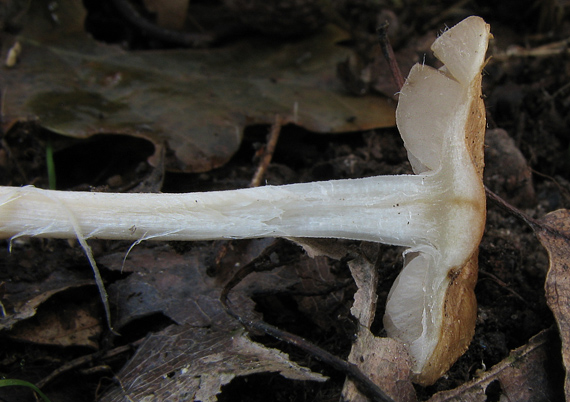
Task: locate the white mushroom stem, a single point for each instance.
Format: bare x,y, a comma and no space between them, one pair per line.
400,210
439,213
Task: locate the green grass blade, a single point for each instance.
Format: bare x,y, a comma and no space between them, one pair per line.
11,382
50,163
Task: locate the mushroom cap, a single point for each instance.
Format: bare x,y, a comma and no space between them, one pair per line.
441,118
428,106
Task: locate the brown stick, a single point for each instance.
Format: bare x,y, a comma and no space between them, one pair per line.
388,53
80,361
268,153
533,223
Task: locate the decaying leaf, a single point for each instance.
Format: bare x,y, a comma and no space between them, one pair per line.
20,300
70,324
386,362
523,377
164,282
181,286
555,237
206,348
189,363
197,101
365,274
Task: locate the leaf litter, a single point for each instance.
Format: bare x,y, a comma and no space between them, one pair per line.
184,362
554,234
205,348
194,102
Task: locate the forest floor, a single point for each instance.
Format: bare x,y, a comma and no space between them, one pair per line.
60,323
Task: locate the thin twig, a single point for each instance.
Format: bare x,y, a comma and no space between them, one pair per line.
388,53
80,361
363,383
494,278
561,188
533,223
272,138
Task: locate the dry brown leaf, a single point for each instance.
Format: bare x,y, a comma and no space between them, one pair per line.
181,286
365,274
523,377
321,293
555,237
163,281
197,101
186,363
21,298
207,348
70,324
386,362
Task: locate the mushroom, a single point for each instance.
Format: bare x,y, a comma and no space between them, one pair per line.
438,214
441,117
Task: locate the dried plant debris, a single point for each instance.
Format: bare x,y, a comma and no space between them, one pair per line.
206,348
525,375
31,282
386,362
150,289
555,237
65,324
197,102
184,362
